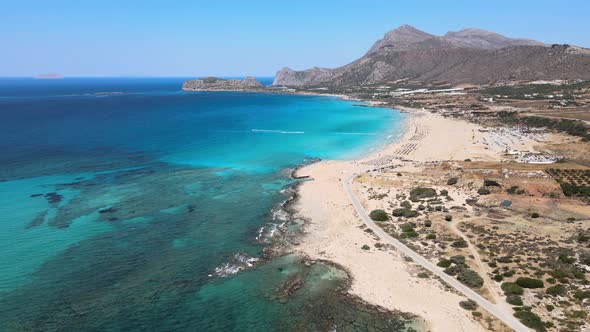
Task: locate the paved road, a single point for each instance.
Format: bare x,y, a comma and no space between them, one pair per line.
493,309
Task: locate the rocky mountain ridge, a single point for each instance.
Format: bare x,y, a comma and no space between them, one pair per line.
466,56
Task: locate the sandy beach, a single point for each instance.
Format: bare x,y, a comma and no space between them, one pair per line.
384,277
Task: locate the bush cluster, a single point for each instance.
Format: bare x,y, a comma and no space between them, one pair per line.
468,305
403,212
531,320
515,190
526,282
419,193
483,191
470,278
444,263
514,299
378,215
491,183
572,127
556,290
459,244
511,288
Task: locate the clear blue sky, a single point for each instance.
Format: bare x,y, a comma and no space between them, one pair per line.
247,37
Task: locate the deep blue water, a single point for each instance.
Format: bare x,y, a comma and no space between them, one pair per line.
120,197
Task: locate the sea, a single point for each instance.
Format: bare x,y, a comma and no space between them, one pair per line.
127,204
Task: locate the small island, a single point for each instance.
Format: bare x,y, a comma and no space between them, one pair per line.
219,84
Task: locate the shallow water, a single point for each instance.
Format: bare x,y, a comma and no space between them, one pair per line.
120,197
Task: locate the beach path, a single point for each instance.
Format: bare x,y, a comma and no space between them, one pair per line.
493,309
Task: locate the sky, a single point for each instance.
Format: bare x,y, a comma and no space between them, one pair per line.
247,37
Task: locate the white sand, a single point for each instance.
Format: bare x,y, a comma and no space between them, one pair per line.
382,277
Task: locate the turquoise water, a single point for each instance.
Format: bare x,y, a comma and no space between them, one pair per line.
119,198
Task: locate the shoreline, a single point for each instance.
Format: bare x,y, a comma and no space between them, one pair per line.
333,231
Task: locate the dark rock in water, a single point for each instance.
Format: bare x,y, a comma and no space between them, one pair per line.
108,210
113,219
36,195
290,285
190,208
53,197
38,221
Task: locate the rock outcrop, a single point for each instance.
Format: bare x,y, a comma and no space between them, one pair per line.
465,56
220,84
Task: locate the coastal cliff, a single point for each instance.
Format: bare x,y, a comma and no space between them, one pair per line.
220,84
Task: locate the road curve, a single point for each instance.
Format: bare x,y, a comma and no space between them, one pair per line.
493,309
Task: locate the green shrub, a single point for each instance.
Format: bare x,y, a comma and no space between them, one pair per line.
531,320
535,215
448,217
444,192
527,282
365,247
378,215
514,299
406,204
550,307
581,295
423,275
508,274
444,263
459,244
452,181
505,259
515,190
491,183
409,234
427,223
498,277
403,212
468,305
453,270
421,193
584,237
511,288
556,290
470,278
483,191
578,314
551,280
459,259
567,259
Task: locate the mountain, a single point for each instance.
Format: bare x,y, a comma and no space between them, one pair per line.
465,56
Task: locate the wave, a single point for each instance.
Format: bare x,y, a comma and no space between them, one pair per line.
276,131
238,262
369,134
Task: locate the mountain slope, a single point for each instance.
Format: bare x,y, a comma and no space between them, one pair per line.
466,56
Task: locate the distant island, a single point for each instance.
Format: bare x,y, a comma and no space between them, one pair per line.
49,76
220,84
